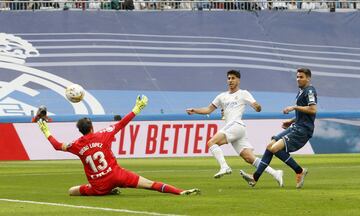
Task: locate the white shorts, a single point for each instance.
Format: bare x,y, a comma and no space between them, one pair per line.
235,133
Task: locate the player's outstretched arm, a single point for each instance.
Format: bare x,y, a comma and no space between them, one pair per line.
45,129
203,110
140,104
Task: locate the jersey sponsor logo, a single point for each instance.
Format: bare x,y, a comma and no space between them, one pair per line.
101,174
231,104
18,95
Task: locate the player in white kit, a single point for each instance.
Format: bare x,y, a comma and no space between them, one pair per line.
233,103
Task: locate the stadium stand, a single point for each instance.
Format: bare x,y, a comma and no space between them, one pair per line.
253,5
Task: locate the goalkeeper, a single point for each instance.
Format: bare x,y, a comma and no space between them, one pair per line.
102,171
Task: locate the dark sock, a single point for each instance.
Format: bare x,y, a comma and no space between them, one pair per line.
265,161
286,158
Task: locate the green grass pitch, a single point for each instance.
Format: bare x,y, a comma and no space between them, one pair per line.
332,187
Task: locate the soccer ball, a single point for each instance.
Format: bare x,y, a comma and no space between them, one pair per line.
75,93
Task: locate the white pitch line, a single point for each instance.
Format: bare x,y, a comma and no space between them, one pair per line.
86,207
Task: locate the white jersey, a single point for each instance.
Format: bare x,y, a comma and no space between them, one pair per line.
233,104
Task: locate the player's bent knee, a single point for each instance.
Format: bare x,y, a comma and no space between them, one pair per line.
144,183
212,142
74,191
269,146
217,139
209,143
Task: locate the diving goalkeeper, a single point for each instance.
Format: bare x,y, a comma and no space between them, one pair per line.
100,165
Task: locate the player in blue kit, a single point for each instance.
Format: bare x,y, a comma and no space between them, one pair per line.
298,131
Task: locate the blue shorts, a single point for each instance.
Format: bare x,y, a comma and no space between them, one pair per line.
294,138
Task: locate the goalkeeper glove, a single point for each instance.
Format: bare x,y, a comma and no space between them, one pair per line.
140,104
44,128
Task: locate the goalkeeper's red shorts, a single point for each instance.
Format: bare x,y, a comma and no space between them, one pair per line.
118,178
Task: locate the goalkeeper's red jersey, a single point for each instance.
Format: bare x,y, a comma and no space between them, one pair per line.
94,150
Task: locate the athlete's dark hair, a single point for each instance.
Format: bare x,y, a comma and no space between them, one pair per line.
84,125
234,72
306,71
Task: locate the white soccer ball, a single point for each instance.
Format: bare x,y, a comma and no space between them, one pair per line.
75,93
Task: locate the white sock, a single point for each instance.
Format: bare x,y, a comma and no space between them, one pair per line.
268,169
219,156
256,162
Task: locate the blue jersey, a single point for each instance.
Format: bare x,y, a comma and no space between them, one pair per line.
306,97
